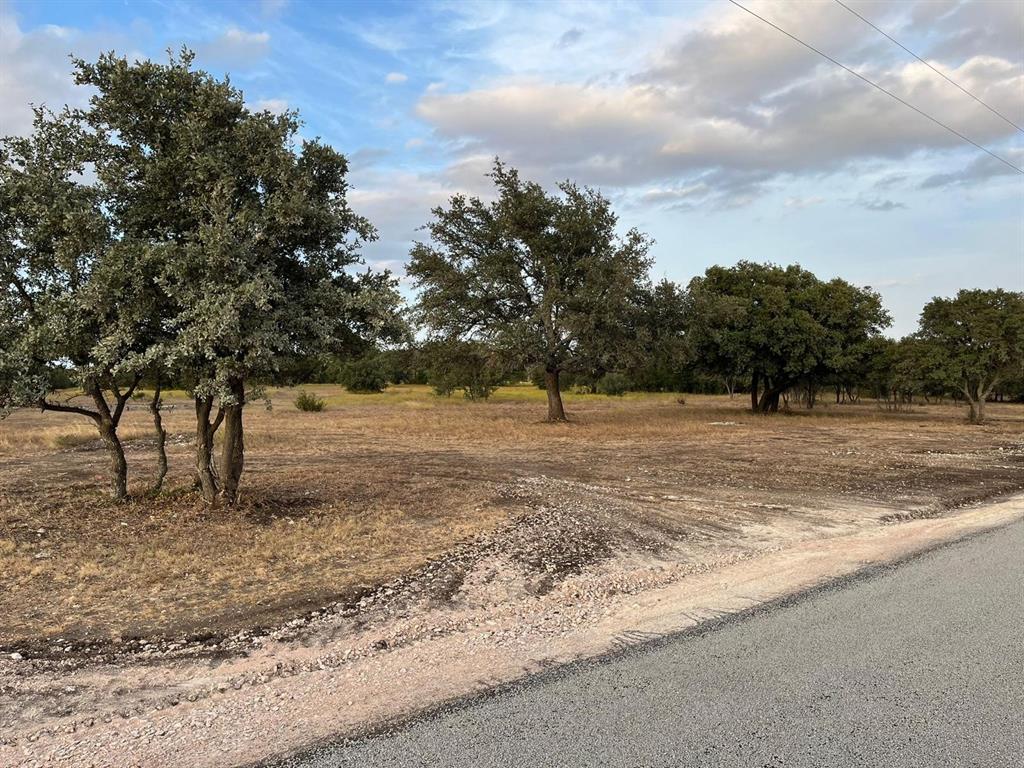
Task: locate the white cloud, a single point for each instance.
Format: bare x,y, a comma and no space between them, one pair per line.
235,47
277,106
803,202
396,77
879,205
36,69
980,169
272,7
733,102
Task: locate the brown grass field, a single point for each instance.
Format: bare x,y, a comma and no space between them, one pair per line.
335,503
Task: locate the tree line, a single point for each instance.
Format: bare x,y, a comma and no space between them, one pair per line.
168,235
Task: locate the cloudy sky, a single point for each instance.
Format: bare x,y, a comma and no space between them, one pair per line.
711,131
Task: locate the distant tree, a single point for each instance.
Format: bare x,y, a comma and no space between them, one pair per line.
660,353
253,238
777,326
78,301
364,375
973,342
467,365
543,279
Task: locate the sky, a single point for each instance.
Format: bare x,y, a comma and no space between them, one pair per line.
711,131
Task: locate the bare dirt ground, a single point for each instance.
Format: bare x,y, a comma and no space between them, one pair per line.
397,550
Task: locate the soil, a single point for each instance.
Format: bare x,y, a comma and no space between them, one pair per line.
392,556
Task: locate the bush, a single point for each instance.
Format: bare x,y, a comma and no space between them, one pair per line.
466,365
613,384
364,376
307,401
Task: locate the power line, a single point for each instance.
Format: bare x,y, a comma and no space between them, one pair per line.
880,88
937,71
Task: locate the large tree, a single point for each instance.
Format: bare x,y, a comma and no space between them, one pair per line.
253,238
972,342
777,325
77,295
542,278
167,229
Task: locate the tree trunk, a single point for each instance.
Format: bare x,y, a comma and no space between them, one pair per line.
106,422
206,481
754,383
118,463
976,403
769,402
555,410
161,439
232,456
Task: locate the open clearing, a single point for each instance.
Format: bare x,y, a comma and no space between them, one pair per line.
395,532
338,502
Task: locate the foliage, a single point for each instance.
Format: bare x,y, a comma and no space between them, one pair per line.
542,279
972,342
661,359
777,326
208,246
613,384
309,402
77,298
467,365
363,376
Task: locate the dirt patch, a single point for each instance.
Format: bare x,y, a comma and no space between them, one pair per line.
379,487
341,673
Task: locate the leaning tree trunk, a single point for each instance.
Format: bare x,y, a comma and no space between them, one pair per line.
107,421
232,456
555,410
118,463
769,402
755,381
206,480
161,439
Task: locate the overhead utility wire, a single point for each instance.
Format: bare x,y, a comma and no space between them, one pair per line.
880,88
936,70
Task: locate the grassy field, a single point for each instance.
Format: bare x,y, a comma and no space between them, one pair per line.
339,501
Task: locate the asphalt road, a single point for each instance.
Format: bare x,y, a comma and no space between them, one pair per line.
921,664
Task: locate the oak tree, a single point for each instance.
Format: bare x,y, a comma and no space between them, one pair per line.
544,279
973,341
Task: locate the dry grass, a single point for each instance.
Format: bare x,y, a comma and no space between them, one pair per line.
338,501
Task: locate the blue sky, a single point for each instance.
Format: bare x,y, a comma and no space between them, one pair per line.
715,134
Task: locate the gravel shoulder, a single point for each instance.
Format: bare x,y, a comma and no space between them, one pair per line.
489,613
916,665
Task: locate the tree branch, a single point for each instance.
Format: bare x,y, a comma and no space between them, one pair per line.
46,405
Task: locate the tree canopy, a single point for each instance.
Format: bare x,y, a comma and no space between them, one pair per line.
542,278
206,245
777,325
972,342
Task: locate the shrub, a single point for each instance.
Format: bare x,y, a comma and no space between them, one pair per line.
479,388
613,384
466,365
307,401
364,376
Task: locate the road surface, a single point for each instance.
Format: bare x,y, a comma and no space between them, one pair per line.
921,664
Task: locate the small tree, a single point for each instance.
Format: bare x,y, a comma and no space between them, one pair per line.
974,341
467,365
542,279
365,375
